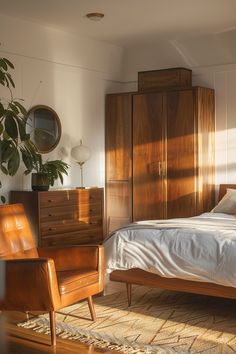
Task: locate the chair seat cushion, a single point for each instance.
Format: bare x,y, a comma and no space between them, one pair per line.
72,280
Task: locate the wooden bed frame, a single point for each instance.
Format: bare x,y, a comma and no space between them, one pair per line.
141,277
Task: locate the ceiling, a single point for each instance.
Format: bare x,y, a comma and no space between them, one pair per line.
129,22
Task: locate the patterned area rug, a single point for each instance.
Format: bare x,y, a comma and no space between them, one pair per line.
158,321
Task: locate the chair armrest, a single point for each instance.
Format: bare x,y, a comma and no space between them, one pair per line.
30,285
75,257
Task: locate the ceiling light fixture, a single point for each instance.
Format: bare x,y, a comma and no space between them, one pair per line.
95,16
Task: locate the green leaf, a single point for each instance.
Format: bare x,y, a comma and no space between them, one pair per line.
2,75
2,110
9,63
11,127
7,153
21,108
27,160
21,126
1,128
3,199
6,82
60,177
14,108
14,163
5,135
4,169
5,150
10,79
3,64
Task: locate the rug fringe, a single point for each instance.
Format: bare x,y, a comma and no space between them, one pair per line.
103,340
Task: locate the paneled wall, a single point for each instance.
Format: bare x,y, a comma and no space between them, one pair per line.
223,79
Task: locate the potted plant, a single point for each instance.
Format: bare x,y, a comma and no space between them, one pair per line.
46,173
15,143
13,137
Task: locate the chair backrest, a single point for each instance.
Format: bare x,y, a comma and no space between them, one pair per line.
16,239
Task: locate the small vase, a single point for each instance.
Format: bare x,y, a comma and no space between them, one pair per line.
39,182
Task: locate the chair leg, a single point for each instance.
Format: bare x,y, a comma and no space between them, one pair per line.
91,308
53,327
129,293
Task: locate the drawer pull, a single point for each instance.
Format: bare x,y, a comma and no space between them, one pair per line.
49,214
51,228
90,210
49,200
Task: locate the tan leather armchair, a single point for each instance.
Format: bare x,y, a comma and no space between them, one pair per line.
45,279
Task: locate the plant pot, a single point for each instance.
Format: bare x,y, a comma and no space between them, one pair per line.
39,182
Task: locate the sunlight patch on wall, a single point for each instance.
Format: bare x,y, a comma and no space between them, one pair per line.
221,157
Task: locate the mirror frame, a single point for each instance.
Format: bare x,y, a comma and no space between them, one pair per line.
58,124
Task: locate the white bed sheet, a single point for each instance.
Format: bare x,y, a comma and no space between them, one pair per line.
202,254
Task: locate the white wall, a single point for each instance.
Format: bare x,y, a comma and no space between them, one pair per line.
71,75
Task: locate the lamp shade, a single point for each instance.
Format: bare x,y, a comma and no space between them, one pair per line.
80,153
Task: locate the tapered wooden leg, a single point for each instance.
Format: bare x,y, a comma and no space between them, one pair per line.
53,327
129,292
91,308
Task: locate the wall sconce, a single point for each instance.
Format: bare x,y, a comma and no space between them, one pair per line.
81,154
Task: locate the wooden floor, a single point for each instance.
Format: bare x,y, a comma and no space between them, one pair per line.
17,340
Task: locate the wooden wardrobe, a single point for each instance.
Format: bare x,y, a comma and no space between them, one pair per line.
159,154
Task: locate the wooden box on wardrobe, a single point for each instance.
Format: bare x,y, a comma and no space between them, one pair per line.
159,155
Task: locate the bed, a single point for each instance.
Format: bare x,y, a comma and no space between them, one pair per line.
135,254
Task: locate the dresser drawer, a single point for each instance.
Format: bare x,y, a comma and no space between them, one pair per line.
73,238
90,209
58,198
89,196
62,226
70,212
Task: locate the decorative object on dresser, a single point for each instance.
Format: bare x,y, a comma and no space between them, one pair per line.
64,217
81,154
159,152
46,172
44,127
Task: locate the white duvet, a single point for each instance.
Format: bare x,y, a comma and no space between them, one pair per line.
202,248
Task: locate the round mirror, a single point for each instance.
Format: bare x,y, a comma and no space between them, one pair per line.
44,127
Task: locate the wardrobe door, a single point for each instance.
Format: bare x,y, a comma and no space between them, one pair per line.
118,146
181,154
205,104
148,149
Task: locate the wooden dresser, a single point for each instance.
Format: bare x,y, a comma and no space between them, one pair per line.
64,217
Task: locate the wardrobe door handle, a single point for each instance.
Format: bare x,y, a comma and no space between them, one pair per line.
155,169
159,168
164,167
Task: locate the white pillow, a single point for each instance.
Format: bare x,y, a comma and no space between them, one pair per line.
227,204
